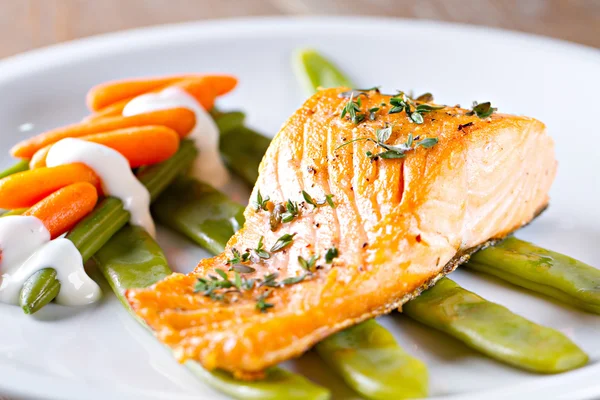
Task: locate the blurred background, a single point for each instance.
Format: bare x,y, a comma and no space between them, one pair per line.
29,24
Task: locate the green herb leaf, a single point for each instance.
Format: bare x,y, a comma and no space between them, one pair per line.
425,98
309,264
389,154
222,273
243,269
416,117
293,280
482,110
427,143
237,280
373,113
283,242
270,280
260,202
247,284
384,133
331,254
428,107
352,109
309,199
261,304
329,199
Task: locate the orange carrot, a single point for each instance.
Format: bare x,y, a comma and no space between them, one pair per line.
61,210
204,88
181,120
144,145
26,188
113,110
108,93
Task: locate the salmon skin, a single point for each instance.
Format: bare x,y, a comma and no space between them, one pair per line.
397,225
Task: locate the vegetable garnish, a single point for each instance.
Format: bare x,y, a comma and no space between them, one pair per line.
285,213
393,151
283,242
290,213
261,304
482,110
352,109
332,253
269,280
209,287
318,203
425,98
259,252
402,102
260,203
309,264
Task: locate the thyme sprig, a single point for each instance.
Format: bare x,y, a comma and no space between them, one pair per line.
402,102
260,203
331,253
318,203
482,110
261,303
283,213
283,242
353,110
393,151
308,265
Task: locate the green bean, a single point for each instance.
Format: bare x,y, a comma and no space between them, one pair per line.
20,166
39,290
227,121
132,259
543,271
368,358
314,71
494,330
199,212
92,232
243,149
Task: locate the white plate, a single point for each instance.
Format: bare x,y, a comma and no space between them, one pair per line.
101,353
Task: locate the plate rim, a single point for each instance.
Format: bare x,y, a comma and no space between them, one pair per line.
99,45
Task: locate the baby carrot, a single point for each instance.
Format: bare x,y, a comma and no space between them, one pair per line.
64,208
105,94
206,89
181,120
113,110
24,189
144,145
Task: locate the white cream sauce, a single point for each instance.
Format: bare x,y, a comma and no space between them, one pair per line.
26,248
208,166
113,169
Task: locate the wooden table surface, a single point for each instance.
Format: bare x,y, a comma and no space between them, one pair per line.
28,24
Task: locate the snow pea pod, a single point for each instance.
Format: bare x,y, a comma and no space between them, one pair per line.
109,216
20,166
494,330
314,71
199,212
243,149
368,358
544,271
132,259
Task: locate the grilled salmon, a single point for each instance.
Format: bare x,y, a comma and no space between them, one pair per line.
350,217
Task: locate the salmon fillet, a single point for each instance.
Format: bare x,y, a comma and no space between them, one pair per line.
396,224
